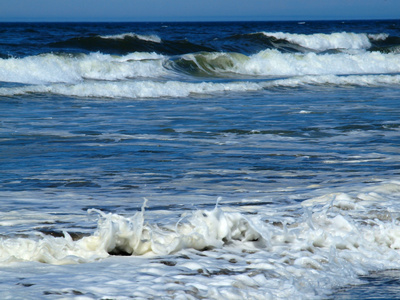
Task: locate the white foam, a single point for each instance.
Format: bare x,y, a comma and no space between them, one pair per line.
338,237
322,42
50,68
132,235
133,89
150,38
274,63
356,80
179,89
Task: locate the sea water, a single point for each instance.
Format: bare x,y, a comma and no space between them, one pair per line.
200,160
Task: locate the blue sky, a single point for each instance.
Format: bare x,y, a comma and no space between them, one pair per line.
196,10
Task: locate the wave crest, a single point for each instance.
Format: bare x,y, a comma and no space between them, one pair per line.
274,63
150,38
323,42
51,68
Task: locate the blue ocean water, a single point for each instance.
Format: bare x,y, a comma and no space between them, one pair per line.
241,160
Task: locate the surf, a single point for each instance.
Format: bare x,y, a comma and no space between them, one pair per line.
327,236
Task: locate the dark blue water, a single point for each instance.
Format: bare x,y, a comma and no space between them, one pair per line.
21,39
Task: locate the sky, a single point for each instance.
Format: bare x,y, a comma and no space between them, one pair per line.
196,10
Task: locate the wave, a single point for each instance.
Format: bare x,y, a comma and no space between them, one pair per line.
50,68
179,89
322,42
255,42
132,89
130,42
275,63
337,236
83,73
388,45
149,38
202,229
116,234
251,43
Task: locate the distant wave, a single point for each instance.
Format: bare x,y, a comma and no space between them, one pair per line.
130,42
342,41
323,42
248,44
149,38
337,42
251,43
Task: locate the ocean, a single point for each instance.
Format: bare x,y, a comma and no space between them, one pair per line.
225,160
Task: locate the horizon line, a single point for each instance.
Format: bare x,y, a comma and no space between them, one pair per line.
202,20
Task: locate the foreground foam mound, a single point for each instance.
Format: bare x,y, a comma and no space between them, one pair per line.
326,242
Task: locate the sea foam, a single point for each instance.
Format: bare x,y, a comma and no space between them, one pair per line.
323,42
150,38
50,68
178,89
330,238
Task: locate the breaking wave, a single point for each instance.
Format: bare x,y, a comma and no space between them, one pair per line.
68,68
275,63
50,68
251,43
322,42
148,38
328,236
150,74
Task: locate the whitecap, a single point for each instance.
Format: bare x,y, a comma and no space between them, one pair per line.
150,38
322,42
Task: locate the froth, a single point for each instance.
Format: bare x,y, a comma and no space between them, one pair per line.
118,234
133,89
322,42
274,63
177,89
330,237
355,80
50,68
149,38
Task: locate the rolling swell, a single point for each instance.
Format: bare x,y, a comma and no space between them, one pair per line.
245,43
252,43
130,43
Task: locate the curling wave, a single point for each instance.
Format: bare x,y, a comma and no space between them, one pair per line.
275,63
